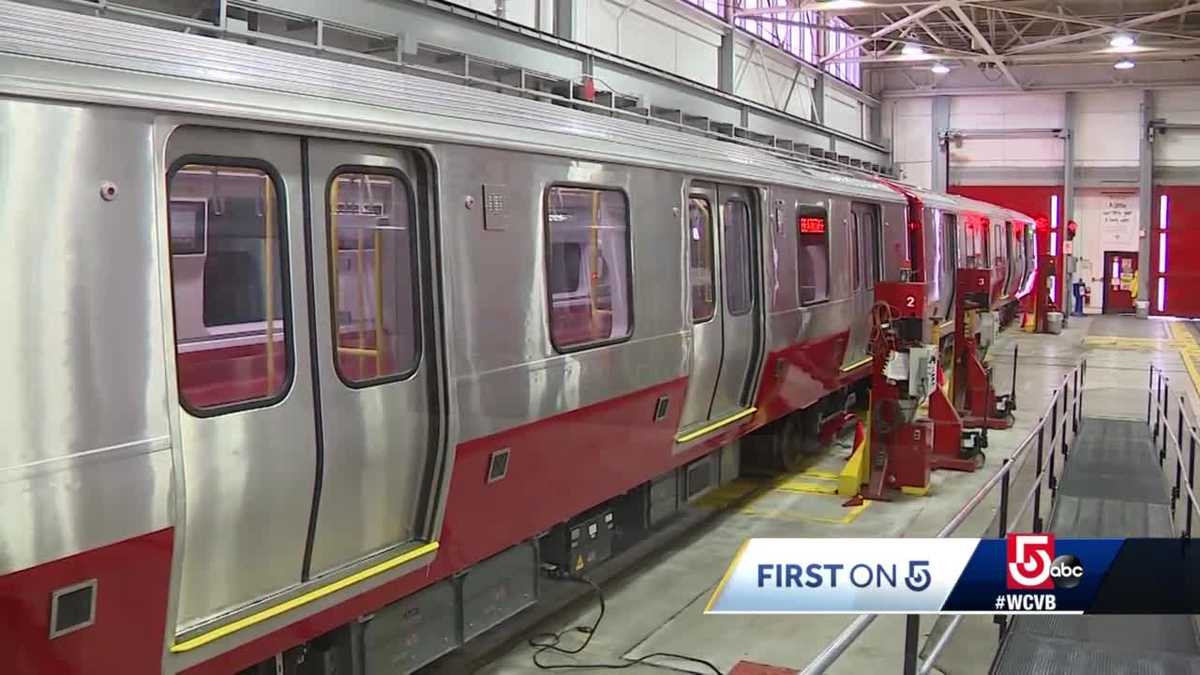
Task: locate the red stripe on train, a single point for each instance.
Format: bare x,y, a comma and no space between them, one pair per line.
557,468
132,580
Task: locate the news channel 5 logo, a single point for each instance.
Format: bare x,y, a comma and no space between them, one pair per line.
1033,565
916,578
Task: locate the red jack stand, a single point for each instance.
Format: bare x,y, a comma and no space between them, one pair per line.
948,436
982,407
976,401
901,447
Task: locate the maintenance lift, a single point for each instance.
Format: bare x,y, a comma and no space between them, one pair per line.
976,400
907,440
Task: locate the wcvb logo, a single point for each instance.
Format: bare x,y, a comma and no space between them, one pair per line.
1030,557
1033,566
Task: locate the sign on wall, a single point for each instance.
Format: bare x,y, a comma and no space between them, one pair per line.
1119,222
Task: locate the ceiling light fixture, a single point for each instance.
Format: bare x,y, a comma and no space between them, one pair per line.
912,50
1121,41
1124,64
837,4
939,69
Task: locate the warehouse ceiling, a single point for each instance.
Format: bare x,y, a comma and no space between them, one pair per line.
1013,44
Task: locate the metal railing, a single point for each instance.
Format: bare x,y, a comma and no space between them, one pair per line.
1057,428
1158,418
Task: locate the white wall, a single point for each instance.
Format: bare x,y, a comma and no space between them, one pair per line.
1107,137
1107,128
1090,244
1008,113
684,40
908,123
1178,148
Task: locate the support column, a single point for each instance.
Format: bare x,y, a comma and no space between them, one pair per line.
564,19
818,98
725,55
1068,138
1145,205
939,155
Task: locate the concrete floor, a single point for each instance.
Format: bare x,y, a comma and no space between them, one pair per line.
659,607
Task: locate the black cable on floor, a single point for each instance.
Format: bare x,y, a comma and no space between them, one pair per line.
549,642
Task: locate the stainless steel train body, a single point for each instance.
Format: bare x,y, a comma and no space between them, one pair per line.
320,335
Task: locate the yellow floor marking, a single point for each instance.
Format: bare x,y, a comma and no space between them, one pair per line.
730,493
1189,351
780,514
1181,340
808,488
1140,344
820,475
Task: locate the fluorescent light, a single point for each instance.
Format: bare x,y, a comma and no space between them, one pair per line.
1123,64
1161,296
836,4
940,68
912,50
1162,252
1121,40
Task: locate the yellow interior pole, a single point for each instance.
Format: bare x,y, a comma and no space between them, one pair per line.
335,271
360,276
708,252
594,277
268,281
379,336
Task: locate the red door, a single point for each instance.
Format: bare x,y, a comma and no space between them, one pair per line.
1119,270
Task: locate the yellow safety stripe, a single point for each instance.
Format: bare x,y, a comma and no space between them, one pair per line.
857,364
728,573
301,600
707,429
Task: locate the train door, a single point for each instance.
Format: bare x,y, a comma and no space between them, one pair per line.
948,260
376,378
999,259
726,326
1016,261
863,237
246,396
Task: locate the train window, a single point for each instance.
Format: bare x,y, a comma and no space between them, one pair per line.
737,257
949,245
188,222
231,322
701,274
587,266
872,240
975,229
812,254
372,276
854,244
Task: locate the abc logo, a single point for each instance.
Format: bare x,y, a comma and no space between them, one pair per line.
1066,571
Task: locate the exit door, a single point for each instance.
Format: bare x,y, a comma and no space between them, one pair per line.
1119,269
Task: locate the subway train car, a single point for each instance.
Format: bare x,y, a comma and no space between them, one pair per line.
1003,240
322,360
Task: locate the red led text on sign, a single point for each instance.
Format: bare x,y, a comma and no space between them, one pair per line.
811,225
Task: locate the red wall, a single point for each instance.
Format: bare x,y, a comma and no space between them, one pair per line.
1033,201
1183,252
